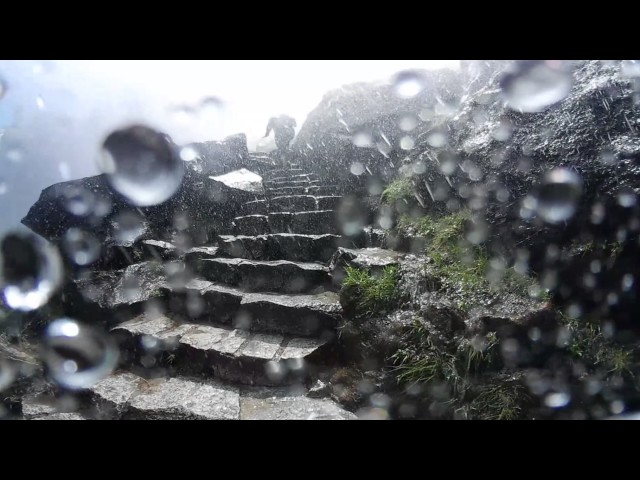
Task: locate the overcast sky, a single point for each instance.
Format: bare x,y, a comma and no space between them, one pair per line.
55,114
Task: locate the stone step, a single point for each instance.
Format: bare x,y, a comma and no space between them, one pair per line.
196,254
291,183
283,172
281,246
293,203
313,222
294,314
227,354
256,207
265,275
251,225
328,202
301,176
124,395
302,190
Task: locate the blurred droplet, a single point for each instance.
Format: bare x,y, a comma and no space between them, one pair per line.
82,247
188,154
535,86
503,131
408,84
127,227
558,196
3,187
357,168
630,68
77,356
40,102
276,371
437,139
557,400
372,413
407,143
3,88
30,271
627,197
142,165
362,139
7,373
407,123
627,282
15,155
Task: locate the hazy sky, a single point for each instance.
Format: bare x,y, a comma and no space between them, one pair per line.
55,114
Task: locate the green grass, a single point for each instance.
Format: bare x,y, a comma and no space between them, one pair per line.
400,189
373,293
499,401
420,361
460,266
589,345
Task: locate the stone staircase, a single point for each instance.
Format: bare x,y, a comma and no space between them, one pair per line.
244,337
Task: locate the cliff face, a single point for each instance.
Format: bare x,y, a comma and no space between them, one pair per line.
364,122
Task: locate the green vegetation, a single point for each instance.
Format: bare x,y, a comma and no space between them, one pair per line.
373,293
400,189
499,401
590,345
462,267
422,362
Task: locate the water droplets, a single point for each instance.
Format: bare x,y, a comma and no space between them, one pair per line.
127,227
558,195
30,271
3,88
188,154
407,143
536,85
82,247
627,197
628,69
77,356
362,139
408,84
7,373
357,168
142,165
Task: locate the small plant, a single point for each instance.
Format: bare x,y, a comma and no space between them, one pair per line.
499,401
374,293
400,189
589,344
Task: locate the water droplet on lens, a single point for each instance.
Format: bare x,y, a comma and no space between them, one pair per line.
188,154
628,68
357,168
362,139
557,400
627,197
406,143
558,195
535,86
3,88
437,139
30,271
127,227
77,356
408,84
142,165
82,247
7,373
40,102
3,187
408,123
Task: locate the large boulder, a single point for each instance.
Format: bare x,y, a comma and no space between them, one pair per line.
218,157
201,208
